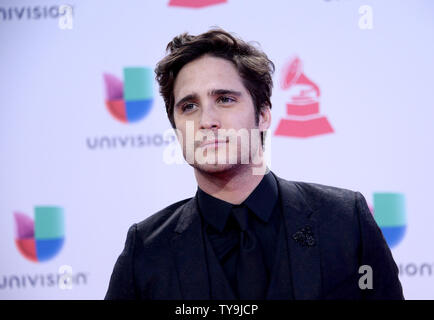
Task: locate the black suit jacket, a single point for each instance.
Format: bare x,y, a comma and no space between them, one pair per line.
164,255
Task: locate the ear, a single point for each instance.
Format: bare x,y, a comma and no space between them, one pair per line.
264,118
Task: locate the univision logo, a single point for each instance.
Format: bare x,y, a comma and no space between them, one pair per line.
390,215
37,12
41,239
132,100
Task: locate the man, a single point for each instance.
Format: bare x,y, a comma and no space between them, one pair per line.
247,233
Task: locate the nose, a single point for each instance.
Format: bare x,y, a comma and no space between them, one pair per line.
209,119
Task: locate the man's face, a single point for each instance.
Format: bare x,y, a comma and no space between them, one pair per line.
210,98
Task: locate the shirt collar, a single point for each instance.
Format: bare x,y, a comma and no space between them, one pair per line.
263,199
261,202
215,211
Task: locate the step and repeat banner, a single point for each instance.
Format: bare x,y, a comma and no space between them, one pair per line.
352,108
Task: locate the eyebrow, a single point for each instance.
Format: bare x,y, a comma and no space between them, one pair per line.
213,92
217,92
188,97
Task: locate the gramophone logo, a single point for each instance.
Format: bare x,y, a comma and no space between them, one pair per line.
390,214
302,119
40,239
132,100
194,3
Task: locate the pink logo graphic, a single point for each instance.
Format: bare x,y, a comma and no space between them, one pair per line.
303,119
194,3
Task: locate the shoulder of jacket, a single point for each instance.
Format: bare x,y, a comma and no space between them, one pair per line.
326,191
158,220
320,196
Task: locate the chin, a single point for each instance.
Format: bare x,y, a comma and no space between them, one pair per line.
216,168
230,165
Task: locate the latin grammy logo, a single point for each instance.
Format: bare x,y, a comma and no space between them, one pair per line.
303,119
194,3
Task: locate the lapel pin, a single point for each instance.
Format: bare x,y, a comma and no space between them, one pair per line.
304,237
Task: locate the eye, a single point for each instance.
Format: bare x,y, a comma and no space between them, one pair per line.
225,99
188,107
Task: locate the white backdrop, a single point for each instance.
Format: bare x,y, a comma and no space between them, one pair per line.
372,62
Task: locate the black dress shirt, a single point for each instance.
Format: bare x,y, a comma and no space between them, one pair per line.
222,229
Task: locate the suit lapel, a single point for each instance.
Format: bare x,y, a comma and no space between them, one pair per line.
280,287
189,252
303,242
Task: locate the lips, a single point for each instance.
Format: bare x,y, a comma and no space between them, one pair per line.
212,143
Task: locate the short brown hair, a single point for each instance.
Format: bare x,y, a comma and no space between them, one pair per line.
254,67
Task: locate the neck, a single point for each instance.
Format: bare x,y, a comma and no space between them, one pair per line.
233,185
